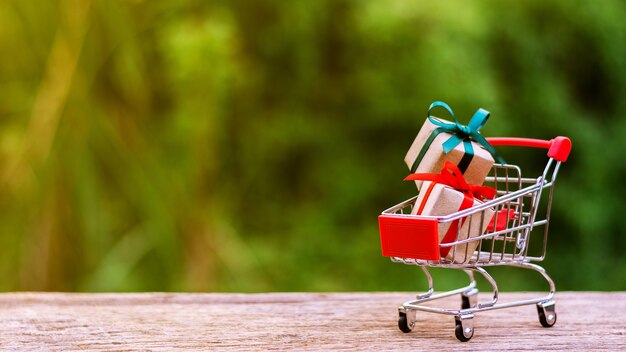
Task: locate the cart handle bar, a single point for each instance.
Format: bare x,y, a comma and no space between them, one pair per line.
558,148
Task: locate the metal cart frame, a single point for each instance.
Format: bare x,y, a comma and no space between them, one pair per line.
413,239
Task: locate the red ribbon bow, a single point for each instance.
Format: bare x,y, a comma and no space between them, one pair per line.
451,176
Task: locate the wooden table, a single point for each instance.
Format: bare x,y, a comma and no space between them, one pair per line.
295,321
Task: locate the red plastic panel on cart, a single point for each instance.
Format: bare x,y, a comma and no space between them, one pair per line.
407,237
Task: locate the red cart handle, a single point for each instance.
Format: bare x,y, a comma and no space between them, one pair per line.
558,148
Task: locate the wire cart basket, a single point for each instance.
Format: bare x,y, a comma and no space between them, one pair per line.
517,210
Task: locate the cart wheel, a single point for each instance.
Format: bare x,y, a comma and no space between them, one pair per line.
547,314
461,334
469,299
403,323
464,329
465,303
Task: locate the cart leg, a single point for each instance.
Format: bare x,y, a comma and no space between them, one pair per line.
546,307
544,274
494,287
431,288
464,327
406,319
469,298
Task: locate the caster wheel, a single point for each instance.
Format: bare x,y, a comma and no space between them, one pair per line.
547,314
464,329
465,302
403,323
469,299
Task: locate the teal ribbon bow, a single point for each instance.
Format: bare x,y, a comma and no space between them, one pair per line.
459,134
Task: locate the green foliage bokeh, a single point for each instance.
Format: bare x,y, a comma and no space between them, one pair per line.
250,145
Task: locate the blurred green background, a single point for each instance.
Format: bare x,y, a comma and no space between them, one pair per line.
250,145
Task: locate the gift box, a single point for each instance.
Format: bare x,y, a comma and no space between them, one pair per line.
445,194
436,199
440,140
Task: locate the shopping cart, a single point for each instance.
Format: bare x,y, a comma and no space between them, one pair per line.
516,211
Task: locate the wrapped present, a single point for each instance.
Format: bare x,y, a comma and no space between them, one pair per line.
447,193
501,221
439,141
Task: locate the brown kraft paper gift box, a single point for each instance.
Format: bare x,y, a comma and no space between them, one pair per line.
435,157
437,199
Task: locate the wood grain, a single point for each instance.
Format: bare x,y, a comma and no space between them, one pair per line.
295,321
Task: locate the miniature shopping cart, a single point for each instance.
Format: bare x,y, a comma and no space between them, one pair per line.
515,214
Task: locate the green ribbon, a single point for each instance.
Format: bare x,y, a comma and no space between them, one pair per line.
459,134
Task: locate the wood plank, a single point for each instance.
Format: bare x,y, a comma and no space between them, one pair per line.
295,321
